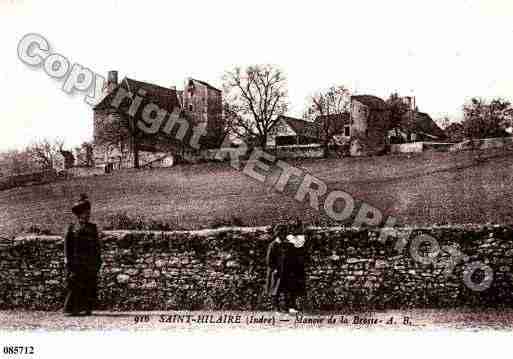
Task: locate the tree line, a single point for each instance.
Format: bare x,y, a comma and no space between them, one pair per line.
254,98
41,155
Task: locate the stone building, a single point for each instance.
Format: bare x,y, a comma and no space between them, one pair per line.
289,131
202,103
369,125
415,126
63,160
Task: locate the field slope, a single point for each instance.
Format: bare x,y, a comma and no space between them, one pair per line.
425,189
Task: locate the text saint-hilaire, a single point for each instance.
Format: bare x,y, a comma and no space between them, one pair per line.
201,319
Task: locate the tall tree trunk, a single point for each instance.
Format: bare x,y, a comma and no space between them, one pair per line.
263,141
135,143
136,152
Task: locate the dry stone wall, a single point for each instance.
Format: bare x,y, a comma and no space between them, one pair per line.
225,269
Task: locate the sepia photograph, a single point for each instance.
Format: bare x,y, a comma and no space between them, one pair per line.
339,170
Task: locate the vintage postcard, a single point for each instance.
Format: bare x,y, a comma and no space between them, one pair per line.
274,169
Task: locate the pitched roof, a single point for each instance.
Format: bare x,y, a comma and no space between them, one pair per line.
342,118
165,98
206,84
423,124
301,127
371,101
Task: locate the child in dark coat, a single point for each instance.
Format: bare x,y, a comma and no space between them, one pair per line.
83,261
285,266
294,266
275,258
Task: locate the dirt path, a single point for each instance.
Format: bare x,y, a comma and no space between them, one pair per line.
427,319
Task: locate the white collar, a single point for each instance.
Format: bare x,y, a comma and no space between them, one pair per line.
297,240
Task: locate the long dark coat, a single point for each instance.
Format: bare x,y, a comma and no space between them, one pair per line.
83,261
285,269
294,278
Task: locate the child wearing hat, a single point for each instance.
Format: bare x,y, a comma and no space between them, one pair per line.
82,259
274,260
285,266
294,265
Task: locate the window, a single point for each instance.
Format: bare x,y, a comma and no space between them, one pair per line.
190,107
347,131
285,140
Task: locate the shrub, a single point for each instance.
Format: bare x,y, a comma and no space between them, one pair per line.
232,221
35,229
127,222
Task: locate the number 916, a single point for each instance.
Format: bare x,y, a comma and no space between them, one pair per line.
141,318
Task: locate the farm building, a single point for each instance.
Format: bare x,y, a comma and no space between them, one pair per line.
416,126
289,131
371,129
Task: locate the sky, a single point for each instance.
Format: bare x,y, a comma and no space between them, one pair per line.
441,52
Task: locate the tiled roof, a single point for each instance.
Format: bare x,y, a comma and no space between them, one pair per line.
423,124
165,98
371,101
302,127
206,84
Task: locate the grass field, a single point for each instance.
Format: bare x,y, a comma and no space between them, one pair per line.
424,189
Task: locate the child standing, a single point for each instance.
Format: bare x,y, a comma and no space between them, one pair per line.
82,258
286,266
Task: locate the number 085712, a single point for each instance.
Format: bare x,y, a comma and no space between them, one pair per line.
18,350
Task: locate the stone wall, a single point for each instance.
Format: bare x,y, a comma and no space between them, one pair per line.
414,147
85,171
297,151
482,144
225,268
28,179
418,147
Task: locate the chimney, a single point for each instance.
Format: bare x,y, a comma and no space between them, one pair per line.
112,80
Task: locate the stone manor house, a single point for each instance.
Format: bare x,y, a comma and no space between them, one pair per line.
114,135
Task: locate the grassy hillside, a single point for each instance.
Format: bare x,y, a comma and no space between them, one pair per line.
424,189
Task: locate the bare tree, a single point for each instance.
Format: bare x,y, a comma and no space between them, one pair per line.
399,115
455,132
18,162
254,99
484,119
117,130
84,154
443,122
328,109
43,152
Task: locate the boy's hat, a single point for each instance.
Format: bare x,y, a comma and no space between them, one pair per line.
81,206
296,227
279,230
